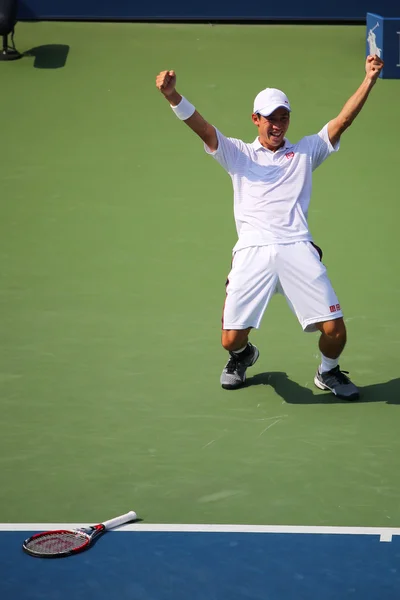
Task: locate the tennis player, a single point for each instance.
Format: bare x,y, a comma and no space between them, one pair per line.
275,253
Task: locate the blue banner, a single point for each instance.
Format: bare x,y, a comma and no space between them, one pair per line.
206,9
374,35
383,39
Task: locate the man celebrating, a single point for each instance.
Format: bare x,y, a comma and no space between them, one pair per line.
274,253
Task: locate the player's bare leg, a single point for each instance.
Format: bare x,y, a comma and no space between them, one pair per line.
235,339
242,355
333,338
329,376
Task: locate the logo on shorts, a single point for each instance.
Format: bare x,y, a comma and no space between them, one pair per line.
334,308
289,155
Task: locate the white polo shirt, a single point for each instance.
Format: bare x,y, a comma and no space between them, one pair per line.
272,190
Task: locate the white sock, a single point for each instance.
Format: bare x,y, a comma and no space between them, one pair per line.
241,350
327,364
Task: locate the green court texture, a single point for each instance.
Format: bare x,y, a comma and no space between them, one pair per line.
116,237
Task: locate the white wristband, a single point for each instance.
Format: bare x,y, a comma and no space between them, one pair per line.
184,109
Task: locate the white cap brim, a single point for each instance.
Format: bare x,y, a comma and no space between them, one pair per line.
268,110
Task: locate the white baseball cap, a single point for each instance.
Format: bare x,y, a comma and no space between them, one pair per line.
269,100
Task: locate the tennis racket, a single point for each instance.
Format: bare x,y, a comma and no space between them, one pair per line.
64,542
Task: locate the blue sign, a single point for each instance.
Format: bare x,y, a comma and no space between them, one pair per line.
349,10
383,39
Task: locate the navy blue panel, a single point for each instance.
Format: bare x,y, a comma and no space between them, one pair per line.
391,48
212,566
383,39
206,9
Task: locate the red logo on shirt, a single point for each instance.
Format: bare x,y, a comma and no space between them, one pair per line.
334,308
289,155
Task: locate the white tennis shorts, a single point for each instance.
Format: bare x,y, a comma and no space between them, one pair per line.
294,270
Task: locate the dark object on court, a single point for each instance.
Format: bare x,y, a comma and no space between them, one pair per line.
49,56
8,20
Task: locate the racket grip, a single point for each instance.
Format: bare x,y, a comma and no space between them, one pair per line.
129,516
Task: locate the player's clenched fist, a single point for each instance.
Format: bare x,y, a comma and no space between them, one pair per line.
373,67
166,81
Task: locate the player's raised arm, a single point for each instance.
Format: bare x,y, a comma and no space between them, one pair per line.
350,110
166,82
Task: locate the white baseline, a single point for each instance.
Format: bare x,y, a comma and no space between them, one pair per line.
385,533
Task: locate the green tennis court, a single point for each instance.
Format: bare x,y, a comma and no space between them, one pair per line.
116,234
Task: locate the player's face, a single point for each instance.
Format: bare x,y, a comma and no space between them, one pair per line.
272,129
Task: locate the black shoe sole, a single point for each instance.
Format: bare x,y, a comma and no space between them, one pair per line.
232,387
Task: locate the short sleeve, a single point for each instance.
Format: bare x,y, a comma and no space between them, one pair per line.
227,153
321,147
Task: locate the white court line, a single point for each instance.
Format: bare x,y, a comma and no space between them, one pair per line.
385,533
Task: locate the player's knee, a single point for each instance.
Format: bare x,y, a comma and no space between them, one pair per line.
233,340
335,329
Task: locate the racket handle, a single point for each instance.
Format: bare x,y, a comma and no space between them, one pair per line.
129,516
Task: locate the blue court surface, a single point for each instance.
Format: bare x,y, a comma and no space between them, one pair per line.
213,563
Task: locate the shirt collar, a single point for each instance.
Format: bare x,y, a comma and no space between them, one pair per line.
258,146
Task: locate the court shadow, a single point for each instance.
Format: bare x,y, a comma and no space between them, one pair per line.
49,56
293,393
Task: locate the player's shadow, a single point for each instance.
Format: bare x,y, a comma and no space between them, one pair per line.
293,393
49,56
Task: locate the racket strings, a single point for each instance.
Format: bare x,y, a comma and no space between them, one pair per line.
57,542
